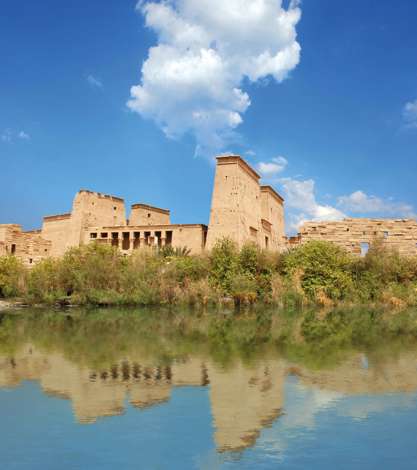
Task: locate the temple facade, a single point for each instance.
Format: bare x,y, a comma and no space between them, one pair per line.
242,209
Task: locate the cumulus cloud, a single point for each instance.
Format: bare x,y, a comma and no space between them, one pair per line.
300,196
192,81
275,166
23,135
9,135
410,114
361,203
94,81
302,204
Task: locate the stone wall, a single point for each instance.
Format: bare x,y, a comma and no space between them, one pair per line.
30,247
56,229
142,214
89,209
356,235
243,210
272,213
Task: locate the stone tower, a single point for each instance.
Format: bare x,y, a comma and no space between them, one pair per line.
243,210
89,209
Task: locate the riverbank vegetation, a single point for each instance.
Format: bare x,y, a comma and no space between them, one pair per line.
317,273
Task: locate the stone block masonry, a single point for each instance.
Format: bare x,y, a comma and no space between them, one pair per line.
241,209
357,235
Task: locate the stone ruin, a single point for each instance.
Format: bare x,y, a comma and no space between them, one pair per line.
242,209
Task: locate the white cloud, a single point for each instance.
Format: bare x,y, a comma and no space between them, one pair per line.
301,200
410,114
192,79
361,203
273,167
6,135
9,135
94,81
23,135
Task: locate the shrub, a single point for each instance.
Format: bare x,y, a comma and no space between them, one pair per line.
224,264
321,267
12,276
44,283
243,289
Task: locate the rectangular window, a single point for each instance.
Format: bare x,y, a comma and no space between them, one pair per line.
13,249
93,235
136,240
115,239
104,235
158,236
168,234
126,241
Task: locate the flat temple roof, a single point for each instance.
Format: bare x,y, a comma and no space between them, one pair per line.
150,208
57,216
224,160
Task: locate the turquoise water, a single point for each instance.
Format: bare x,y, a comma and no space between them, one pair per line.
68,401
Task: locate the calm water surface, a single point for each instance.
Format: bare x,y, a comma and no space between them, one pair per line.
96,391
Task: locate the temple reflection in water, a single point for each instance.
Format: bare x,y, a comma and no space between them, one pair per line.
244,398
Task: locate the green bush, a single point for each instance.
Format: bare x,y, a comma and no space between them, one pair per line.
316,272
224,264
44,283
321,267
12,277
243,289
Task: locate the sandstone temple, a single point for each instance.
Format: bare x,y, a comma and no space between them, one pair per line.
242,209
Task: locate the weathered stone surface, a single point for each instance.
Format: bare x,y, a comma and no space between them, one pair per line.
241,209
355,235
29,246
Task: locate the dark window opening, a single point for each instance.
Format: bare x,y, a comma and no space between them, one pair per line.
168,240
266,242
104,235
158,235
115,239
126,241
147,237
136,240
13,249
149,214
386,235
93,235
114,208
30,260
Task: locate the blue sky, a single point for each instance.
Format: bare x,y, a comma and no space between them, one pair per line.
333,126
